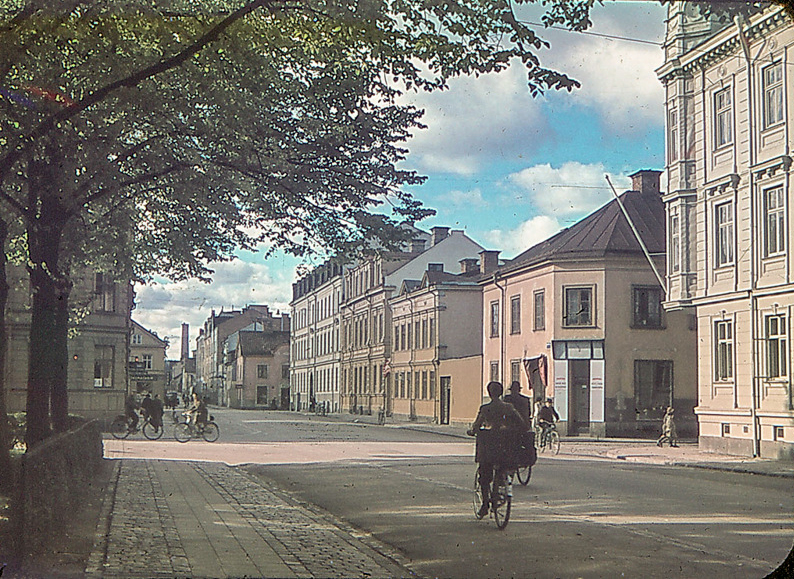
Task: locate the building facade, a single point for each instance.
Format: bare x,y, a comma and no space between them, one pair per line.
98,349
437,346
367,384
588,300
147,371
729,98
314,339
257,367
210,368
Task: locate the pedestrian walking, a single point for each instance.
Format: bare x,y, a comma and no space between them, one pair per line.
668,429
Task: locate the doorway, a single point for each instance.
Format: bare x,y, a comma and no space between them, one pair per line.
445,399
578,396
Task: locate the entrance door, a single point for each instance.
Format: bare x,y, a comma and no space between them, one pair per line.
445,399
578,396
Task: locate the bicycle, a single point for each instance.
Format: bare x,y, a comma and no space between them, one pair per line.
501,496
121,428
494,446
209,431
549,438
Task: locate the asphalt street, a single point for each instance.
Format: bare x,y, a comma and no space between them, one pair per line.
406,492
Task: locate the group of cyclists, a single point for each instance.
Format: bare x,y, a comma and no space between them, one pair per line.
151,409
502,426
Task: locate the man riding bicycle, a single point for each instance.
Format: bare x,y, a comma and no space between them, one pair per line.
547,416
505,425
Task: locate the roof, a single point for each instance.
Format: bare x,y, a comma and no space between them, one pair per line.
605,231
261,343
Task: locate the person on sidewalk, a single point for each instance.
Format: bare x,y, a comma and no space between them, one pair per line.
668,429
504,425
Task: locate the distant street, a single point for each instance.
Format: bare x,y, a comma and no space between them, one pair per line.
577,518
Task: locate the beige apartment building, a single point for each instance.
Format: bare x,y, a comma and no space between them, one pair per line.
588,300
147,362
256,367
437,345
729,98
366,326
314,339
98,349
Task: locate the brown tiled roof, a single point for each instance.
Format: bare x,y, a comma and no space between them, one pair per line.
603,232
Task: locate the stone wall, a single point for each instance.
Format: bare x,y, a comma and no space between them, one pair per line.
53,477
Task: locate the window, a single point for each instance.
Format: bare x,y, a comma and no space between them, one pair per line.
417,334
578,307
424,385
647,307
261,395
724,227
147,361
776,349
424,333
494,375
494,319
723,350
396,337
103,366
515,315
515,371
672,137
285,371
104,293
675,241
540,310
653,387
261,371
408,344
774,222
402,337
137,339
723,120
726,429
773,94
432,332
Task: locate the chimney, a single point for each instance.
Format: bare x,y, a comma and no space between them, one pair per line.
489,261
185,352
435,267
646,181
417,245
469,265
439,234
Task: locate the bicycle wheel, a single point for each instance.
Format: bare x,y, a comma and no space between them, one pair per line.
150,432
211,432
523,473
118,428
477,498
501,503
182,432
554,442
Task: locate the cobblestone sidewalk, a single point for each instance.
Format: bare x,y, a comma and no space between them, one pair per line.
186,519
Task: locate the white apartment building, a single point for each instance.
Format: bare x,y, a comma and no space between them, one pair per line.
314,339
729,98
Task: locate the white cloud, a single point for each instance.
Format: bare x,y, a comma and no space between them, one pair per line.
163,307
472,198
571,190
527,234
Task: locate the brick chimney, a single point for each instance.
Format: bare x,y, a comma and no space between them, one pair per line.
439,234
469,264
489,261
646,181
185,352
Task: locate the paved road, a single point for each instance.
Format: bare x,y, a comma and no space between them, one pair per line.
407,495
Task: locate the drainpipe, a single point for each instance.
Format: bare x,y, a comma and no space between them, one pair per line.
502,289
739,22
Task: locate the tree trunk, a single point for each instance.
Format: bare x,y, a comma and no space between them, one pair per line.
59,400
5,457
47,343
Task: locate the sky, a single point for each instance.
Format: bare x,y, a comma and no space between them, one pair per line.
508,169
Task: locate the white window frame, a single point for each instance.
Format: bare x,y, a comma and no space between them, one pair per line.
515,314
675,241
494,319
776,329
775,230
566,322
772,78
723,234
723,350
539,313
672,135
723,118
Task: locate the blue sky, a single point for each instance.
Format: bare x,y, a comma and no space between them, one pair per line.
509,169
